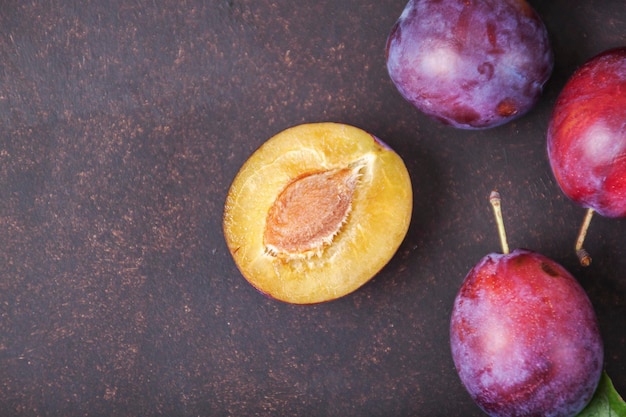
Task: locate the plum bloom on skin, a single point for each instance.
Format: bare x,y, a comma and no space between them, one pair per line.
524,337
587,135
472,65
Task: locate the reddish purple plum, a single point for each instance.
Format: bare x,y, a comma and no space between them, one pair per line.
524,336
473,64
587,135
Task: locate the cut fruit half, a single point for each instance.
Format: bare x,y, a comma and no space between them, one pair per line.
317,211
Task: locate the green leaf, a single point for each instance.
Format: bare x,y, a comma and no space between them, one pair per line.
606,402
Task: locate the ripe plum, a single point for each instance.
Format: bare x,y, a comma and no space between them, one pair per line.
587,135
524,337
587,139
471,64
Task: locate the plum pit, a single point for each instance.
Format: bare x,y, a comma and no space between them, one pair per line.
309,212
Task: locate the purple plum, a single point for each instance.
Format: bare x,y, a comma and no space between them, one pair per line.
473,64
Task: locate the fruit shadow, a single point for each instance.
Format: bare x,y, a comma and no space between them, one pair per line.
427,178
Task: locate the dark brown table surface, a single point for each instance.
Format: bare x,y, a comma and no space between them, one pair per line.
122,125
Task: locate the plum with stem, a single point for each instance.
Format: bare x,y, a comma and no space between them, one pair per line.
524,336
587,139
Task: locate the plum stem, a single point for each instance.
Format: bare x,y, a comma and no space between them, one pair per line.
583,255
494,199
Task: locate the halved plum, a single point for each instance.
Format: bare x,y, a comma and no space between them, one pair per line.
317,211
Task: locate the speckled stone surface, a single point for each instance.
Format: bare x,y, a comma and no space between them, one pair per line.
122,125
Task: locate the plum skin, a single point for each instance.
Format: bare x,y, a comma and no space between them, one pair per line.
587,135
524,337
472,65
